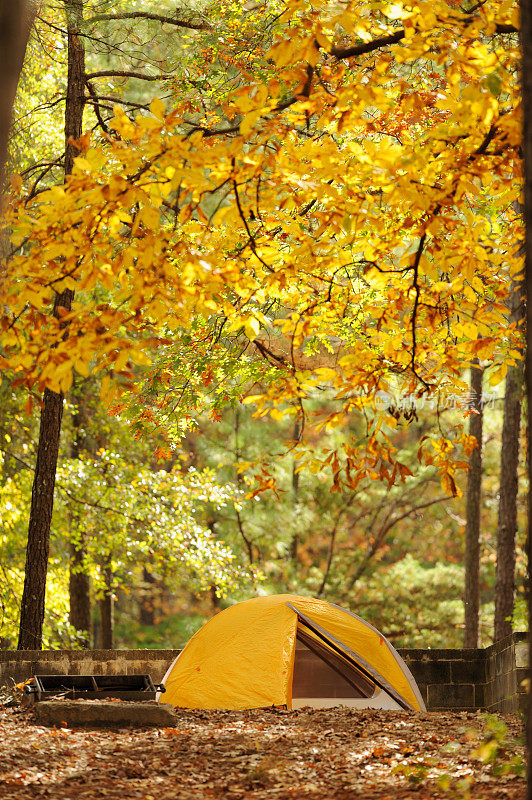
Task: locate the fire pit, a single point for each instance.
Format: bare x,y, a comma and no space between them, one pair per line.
91,687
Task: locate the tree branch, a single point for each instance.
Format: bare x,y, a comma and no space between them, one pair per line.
394,38
503,28
247,542
417,289
118,73
386,528
180,23
9,454
368,47
102,98
332,543
99,506
251,242
268,354
97,110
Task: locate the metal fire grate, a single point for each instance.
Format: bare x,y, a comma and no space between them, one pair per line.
91,687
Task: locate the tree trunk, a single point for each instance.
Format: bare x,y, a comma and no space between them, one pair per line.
79,594
147,605
473,505
215,600
106,612
32,606
294,544
15,23
526,44
79,581
507,518
75,98
16,18
33,597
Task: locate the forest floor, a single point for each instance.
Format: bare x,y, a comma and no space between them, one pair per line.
268,755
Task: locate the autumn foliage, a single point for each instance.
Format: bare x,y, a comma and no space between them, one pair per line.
345,217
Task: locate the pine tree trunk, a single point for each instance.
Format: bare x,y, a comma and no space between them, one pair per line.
33,597
107,612
526,44
75,99
507,518
32,606
473,508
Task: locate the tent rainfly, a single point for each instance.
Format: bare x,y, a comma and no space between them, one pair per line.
286,650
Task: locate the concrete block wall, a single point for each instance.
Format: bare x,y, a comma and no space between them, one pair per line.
489,679
467,680
19,665
507,669
449,679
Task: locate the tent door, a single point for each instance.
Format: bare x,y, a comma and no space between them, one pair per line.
351,657
323,673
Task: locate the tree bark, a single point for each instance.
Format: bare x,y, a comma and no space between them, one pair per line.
75,98
79,581
526,77
16,18
473,507
215,600
107,612
32,606
79,594
507,518
33,597
147,605
294,544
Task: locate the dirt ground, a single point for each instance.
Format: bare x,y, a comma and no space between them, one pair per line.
267,755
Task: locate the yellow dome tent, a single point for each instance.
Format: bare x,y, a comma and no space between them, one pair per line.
286,650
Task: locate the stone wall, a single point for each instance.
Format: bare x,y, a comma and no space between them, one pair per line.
488,679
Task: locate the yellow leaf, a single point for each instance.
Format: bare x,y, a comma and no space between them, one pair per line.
146,123
157,108
16,182
498,375
326,373
249,121
261,95
65,381
121,361
470,330
105,386
82,368
140,357
252,328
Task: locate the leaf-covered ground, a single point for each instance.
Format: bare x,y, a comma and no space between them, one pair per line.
274,755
